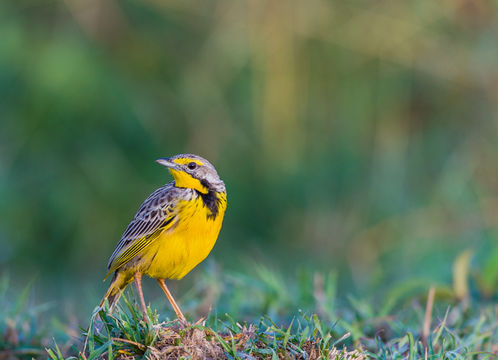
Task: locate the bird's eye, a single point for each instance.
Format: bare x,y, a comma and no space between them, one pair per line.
192,165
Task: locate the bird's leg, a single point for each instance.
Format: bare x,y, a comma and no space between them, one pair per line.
178,312
138,283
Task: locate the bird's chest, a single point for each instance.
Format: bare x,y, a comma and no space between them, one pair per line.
197,225
187,243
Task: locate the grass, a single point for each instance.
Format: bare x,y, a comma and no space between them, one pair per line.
22,334
463,332
412,320
126,335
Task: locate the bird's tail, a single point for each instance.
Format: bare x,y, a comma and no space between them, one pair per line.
118,284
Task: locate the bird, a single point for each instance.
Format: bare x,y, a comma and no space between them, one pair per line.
173,230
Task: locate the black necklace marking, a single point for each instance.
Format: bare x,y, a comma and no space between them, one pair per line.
210,200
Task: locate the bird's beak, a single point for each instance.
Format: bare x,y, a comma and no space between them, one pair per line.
168,163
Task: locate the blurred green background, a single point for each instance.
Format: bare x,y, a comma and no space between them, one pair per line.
353,136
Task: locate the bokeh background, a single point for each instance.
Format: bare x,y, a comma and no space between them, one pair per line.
359,137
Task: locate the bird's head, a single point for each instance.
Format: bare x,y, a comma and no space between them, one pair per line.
194,172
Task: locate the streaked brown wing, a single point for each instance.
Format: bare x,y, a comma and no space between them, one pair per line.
156,214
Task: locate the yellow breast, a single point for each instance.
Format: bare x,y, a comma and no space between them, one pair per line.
178,250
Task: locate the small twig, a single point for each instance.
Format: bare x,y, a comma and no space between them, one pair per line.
428,315
131,342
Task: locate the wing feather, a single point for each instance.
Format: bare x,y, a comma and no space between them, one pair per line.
156,214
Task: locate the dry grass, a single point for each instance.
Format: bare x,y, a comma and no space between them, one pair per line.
200,342
193,342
